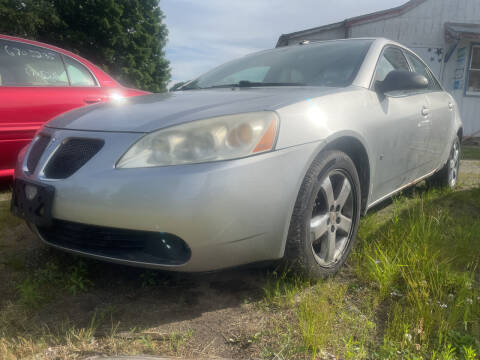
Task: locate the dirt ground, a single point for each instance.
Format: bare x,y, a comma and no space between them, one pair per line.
219,312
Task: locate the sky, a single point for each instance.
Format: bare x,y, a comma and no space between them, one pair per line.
207,33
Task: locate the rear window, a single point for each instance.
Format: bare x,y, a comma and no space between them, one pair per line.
28,65
79,74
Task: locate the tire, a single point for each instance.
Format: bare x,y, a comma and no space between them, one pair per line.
447,176
328,198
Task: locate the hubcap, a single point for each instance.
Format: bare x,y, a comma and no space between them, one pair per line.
453,165
332,219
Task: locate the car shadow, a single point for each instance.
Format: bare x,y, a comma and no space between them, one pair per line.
134,298
5,184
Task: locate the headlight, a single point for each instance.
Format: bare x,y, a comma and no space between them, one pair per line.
220,138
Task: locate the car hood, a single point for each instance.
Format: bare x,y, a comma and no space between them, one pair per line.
151,112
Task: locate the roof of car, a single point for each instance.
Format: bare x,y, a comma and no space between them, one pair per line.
40,44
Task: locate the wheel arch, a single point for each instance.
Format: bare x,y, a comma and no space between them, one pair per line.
460,133
356,150
351,144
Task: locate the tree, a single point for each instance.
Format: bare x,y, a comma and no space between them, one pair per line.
124,37
23,18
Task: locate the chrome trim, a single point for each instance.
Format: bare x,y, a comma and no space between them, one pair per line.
40,173
27,155
401,188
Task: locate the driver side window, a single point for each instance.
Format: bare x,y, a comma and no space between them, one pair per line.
391,59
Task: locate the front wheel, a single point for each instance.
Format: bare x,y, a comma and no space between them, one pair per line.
326,215
448,175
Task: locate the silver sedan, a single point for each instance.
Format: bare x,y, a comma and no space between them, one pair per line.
275,155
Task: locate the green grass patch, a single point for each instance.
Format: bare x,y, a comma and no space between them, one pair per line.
283,287
470,152
412,289
51,280
7,220
424,263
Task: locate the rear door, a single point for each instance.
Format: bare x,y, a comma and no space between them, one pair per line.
440,108
35,87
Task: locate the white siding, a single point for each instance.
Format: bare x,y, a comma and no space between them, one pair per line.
336,33
422,25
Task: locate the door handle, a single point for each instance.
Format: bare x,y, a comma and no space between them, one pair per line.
425,111
92,100
450,106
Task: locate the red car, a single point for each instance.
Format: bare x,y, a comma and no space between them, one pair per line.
40,81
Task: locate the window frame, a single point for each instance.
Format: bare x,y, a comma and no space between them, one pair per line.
94,78
466,92
372,80
412,69
430,72
61,56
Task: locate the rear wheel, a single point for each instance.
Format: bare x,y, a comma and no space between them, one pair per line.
325,219
448,175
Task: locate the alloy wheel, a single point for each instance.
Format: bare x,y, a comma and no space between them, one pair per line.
331,223
453,165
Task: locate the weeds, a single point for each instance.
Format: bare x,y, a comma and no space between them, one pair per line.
429,287
283,287
417,289
470,152
317,314
41,287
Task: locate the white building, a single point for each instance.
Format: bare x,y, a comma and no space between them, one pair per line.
445,33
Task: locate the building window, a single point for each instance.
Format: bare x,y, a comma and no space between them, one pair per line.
473,87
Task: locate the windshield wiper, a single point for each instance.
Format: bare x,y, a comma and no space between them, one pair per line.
246,83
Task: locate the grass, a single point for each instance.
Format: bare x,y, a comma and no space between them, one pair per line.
410,290
424,264
51,280
470,152
7,221
413,285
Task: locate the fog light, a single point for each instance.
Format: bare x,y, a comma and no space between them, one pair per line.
30,192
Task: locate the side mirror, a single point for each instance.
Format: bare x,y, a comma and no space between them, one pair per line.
402,80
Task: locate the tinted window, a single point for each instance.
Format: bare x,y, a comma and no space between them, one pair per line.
420,68
391,59
27,65
79,74
322,64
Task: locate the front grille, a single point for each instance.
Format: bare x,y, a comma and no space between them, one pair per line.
71,156
132,245
36,152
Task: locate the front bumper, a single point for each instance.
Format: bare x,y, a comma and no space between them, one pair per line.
229,213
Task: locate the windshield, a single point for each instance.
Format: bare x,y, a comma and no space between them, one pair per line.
332,64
